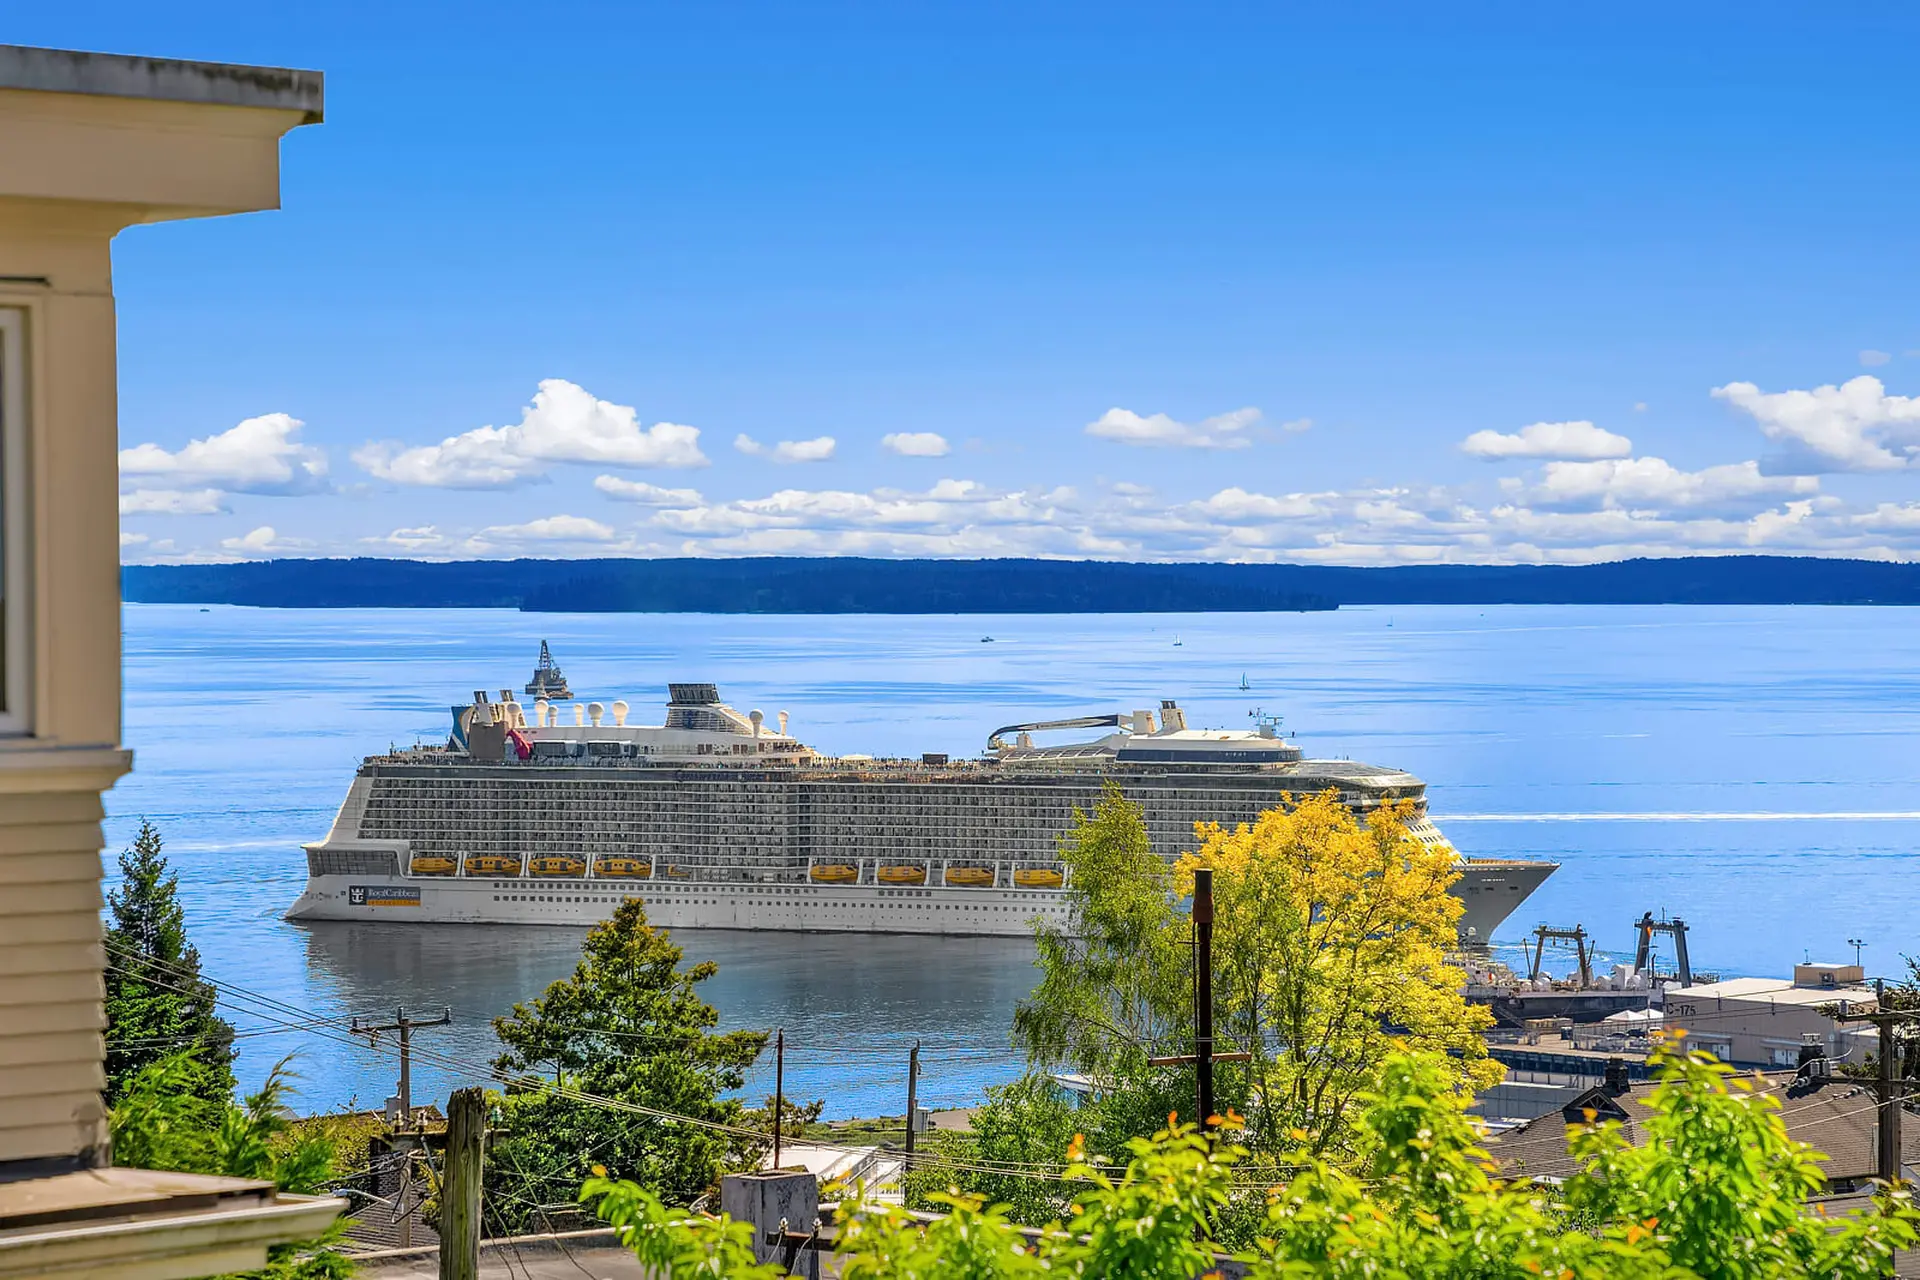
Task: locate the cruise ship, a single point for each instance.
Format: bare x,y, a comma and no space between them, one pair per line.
555,813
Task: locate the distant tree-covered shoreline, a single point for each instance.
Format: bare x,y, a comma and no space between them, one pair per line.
774,584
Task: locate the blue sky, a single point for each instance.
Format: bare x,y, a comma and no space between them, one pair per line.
1153,282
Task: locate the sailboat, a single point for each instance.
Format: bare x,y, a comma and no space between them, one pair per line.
1244,686
1176,642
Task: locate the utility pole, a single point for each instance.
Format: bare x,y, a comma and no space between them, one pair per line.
407,1144
1887,1145
779,1088
1203,1057
913,1096
1203,988
406,1027
460,1192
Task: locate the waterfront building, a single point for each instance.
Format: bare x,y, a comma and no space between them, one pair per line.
91,144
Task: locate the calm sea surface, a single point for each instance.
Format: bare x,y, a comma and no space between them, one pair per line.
1753,770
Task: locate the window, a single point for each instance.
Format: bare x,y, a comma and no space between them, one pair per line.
13,512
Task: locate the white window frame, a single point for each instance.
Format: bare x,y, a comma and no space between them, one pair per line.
15,525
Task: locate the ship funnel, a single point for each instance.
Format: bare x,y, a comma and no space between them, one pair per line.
783,724
482,712
620,713
579,714
758,718
594,712
1143,722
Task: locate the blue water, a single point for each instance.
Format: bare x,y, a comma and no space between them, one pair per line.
1754,770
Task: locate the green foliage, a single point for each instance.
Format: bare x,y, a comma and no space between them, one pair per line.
157,1005
629,1025
162,1122
1330,947
673,1244
1025,1125
1717,1192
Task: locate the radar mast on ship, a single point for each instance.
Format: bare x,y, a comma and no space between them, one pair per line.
548,681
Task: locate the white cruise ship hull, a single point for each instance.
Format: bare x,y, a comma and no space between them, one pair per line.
803,908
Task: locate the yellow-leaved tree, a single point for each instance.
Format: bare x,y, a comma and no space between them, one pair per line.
1331,947
1331,939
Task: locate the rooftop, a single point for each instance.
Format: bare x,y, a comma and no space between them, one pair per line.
1770,991
118,75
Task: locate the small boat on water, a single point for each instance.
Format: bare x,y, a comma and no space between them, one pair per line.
908,873
833,873
986,639
1176,642
624,868
492,864
556,864
428,864
970,877
1037,878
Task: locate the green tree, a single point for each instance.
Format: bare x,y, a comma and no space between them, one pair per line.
1024,1128
630,1027
1330,947
157,1005
1716,1192
163,1121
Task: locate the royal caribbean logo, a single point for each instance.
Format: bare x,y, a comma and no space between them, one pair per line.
382,895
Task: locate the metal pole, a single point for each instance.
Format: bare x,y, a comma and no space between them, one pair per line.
1203,988
460,1195
913,1096
1888,1164
779,1088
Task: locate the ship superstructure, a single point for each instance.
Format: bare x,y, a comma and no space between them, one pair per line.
716,818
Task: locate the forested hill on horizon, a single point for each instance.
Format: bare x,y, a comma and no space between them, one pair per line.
855,585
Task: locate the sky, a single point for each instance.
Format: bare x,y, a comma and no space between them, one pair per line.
1360,284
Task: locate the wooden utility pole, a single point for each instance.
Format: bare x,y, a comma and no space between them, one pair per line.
779,1088
1887,1139
406,1027
913,1095
1203,1057
406,1145
1203,988
1888,1165
460,1189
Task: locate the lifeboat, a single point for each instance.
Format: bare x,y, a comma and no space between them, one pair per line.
1038,878
677,873
556,864
970,877
834,873
428,864
492,864
909,873
623,868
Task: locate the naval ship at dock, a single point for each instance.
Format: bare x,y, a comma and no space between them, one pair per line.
555,814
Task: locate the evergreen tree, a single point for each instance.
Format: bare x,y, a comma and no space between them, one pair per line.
158,1006
629,1026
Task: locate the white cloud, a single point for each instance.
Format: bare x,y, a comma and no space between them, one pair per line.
132,539
649,495
173,502
1223,431
550,529
259,455
564,424
818,449
1855,426
263,541
915,444
420,538
1236,505
1871,358
1549,440
1654,484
